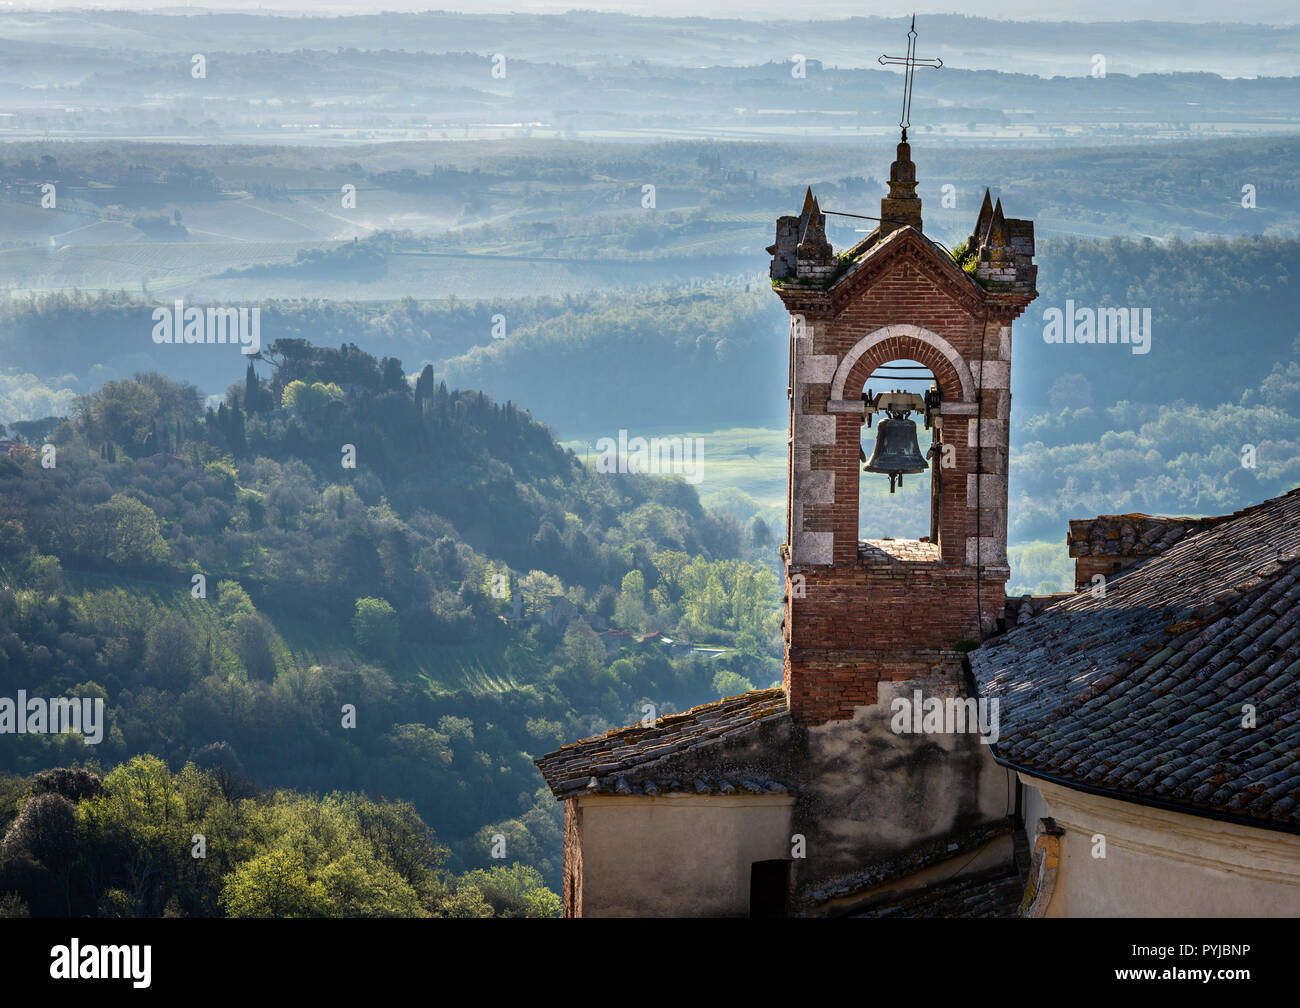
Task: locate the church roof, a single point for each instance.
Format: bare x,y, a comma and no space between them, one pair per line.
676,755
994,893
1141,695
876,241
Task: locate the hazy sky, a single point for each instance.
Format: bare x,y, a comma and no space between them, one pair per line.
1250,11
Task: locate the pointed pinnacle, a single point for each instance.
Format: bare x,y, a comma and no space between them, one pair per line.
997,227
982,221
809,204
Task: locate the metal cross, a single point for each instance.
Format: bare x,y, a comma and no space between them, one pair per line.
910,62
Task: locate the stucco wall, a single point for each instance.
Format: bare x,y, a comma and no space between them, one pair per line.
872,801
1032,808
1162,864
677,855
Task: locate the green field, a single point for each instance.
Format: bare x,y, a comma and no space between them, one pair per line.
743,471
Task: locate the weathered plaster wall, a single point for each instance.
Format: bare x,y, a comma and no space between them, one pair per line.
677,855
1163,864
876,805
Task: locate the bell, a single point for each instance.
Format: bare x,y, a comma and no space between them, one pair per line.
896,451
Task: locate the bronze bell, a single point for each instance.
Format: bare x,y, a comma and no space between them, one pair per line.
896,451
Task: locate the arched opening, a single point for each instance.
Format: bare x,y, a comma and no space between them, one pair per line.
923,518
900,472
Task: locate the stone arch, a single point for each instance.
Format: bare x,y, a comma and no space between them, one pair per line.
904,342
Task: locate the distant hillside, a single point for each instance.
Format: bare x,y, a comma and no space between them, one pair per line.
1043,40
678,359
227,582
1229,303
507,220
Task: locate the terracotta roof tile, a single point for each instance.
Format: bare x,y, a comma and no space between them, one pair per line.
997,893
624,761
1142,692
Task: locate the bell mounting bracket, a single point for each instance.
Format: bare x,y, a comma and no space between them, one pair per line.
898,404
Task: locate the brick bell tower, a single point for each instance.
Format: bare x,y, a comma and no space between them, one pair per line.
857,612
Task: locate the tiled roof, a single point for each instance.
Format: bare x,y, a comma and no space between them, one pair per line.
1141,693
639,760
996,893
843,894
872,243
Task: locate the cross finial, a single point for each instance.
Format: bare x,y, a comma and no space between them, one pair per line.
909,63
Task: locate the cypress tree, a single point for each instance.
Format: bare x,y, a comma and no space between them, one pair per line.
252,390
